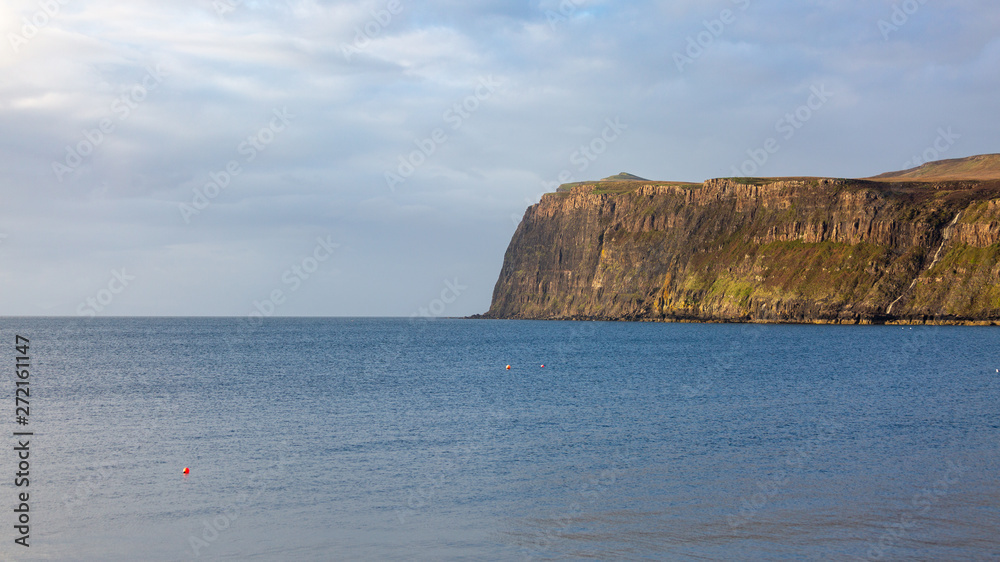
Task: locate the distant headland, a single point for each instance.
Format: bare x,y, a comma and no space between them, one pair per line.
912,247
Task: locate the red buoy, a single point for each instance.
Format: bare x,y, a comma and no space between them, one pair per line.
186,470
508,367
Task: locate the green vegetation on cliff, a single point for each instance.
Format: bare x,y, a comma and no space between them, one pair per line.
888,249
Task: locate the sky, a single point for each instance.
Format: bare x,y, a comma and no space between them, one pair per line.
373,158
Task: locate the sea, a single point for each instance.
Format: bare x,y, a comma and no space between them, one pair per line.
411,439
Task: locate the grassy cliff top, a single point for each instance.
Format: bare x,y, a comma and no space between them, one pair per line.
619,186
981,167
624,176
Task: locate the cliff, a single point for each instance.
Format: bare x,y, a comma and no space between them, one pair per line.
887,249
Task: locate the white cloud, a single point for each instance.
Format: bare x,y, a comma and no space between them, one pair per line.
355,117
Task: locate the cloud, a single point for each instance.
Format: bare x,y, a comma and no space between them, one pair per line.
565,68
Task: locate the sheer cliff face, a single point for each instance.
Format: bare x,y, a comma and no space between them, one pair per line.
802,250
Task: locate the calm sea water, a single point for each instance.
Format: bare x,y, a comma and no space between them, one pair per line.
388,439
